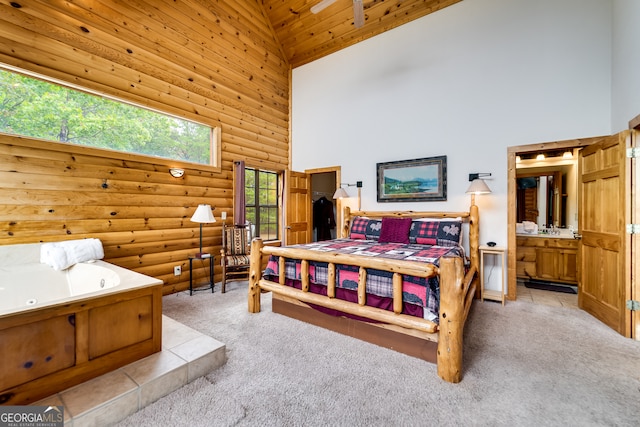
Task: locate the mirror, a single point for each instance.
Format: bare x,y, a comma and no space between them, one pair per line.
547,193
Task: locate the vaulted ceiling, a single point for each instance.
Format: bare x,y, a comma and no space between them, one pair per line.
307,36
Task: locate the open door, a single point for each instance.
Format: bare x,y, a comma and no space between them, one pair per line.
635,237
604,193
298,208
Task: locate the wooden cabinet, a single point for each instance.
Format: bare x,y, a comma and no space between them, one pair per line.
47,350
547,258
546,263
568,265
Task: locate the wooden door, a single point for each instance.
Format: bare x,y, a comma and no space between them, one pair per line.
298,208
604,254
530,204
635,239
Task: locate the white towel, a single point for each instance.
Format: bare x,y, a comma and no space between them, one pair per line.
530,227
62,255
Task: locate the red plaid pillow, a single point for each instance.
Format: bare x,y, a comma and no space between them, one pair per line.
359,228
424,232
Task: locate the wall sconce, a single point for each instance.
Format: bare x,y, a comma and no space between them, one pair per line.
474,176
477,186
176,172
567,155
203,215
540,156
342,193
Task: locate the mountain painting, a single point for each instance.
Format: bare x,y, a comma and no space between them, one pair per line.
413,180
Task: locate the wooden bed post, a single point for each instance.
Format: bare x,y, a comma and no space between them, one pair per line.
474,239
255,273
346,222
452,319
474,235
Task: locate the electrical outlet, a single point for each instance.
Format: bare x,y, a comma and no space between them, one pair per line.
177,270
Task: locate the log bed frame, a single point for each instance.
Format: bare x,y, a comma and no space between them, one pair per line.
415,336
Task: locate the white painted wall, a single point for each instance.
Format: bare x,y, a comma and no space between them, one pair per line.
626,63
466,82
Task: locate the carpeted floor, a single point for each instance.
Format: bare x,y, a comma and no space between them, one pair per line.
524,365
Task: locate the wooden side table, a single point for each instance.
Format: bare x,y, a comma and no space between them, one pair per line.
490,294
201,257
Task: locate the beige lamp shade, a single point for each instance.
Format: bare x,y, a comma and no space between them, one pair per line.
203,214
478,186
340,193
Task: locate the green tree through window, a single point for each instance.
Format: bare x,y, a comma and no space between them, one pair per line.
40,109
261,202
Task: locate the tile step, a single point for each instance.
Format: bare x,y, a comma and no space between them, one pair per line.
186,355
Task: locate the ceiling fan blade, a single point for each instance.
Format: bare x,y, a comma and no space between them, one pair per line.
321,6
358,13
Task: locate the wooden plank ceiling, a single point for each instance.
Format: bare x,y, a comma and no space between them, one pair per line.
305,36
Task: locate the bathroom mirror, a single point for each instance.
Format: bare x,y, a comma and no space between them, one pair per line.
547,195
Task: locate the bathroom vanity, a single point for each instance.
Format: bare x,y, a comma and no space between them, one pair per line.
547,257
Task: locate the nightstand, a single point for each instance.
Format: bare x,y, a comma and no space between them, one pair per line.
499,254
202,257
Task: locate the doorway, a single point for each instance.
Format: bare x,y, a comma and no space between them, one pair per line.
326,215
323,212
530,258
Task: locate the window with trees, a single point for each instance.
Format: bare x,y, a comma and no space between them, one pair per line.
37,108
261,202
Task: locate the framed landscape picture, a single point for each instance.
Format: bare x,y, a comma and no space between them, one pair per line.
418,180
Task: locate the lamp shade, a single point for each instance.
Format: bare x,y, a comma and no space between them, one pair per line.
203,214
478,186
340,193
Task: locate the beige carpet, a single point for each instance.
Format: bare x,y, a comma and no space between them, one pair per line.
524,365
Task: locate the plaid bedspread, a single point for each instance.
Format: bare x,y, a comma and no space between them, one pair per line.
415,290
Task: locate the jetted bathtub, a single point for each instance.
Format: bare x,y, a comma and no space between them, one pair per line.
61,328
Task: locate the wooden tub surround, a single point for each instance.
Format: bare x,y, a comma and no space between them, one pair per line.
440,342
66,342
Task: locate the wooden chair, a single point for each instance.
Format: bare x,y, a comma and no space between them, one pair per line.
234,255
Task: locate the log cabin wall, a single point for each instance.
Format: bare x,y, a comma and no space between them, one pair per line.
217,63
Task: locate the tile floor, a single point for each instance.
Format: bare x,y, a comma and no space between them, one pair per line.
186,355
537,296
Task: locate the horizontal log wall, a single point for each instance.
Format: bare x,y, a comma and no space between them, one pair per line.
217,63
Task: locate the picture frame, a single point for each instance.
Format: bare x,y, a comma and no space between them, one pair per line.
418,180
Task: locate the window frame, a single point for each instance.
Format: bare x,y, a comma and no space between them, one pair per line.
256,205
215,152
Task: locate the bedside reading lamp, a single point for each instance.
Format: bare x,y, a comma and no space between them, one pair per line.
342,193
477,186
